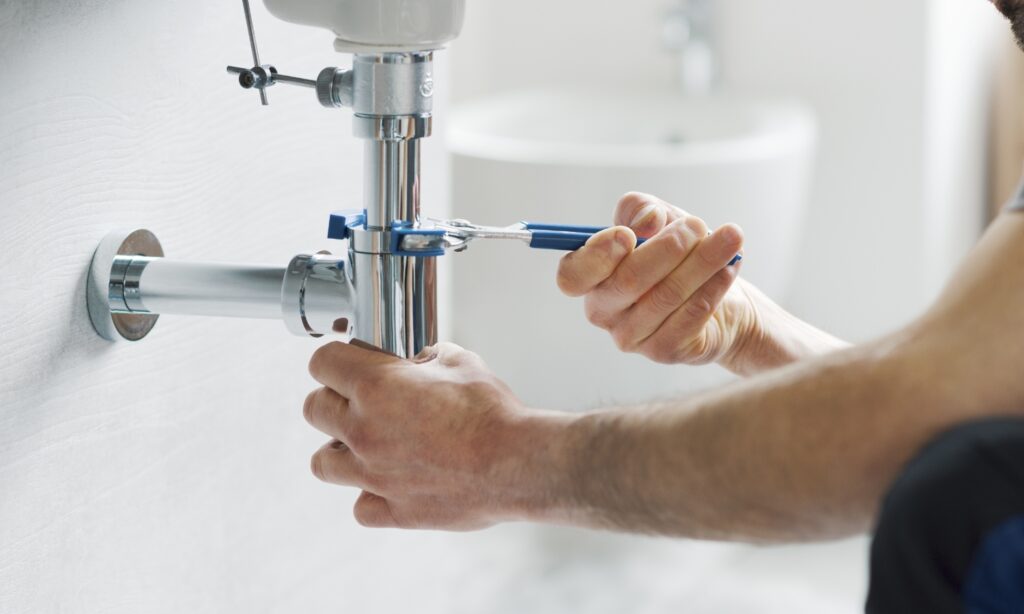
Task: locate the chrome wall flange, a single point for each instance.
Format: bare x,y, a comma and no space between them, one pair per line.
107,283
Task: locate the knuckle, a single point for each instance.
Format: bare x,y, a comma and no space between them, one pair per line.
447,347
319,362
595,315
678,242
624,340
698,226
699,307
666,296
477,390
661,349
625,284
365,389
632,200
629,206
719,284
374,482
316,466
309,405
357,438
365,515
567,279
707,258
448,354
316,362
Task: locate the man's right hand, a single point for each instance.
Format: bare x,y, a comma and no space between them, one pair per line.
676,299
668,299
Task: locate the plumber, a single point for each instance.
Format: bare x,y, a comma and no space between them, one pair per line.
918,436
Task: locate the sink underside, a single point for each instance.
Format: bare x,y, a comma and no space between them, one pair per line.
648,129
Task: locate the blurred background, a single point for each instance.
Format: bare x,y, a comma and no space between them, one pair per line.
861,145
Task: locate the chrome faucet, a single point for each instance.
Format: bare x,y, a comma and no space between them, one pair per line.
688,33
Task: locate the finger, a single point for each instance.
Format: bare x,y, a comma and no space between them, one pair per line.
327,411
340,366
582,270
369,346
373,511
452,355
709,257
335,463
690,320
645,214
644,268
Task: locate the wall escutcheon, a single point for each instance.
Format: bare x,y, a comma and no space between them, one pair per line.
103,279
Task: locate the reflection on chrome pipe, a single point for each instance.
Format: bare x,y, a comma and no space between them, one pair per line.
422,286
158,285
392,174
396,306
314,294
317,297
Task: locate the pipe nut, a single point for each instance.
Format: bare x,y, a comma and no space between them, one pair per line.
334,87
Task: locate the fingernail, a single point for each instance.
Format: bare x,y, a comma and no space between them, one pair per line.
624,241
643,215
736,260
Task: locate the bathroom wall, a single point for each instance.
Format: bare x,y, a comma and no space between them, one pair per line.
900,89
172,475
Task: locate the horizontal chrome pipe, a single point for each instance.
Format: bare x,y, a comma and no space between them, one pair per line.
159,285
313,294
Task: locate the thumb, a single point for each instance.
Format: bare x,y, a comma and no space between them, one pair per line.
646,215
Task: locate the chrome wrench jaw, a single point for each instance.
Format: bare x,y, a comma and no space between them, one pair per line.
424,243
462,232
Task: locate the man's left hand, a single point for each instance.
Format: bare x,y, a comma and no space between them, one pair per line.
434,442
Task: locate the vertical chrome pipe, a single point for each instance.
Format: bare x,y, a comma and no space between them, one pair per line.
396,301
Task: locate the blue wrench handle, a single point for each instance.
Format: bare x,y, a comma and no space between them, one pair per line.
569,237
566,237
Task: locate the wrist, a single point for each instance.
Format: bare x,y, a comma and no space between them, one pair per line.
538,467
768,336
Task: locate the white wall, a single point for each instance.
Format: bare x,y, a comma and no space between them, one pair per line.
964,41
899,88
172,475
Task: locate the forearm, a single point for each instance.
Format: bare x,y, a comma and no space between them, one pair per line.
802,453
806,451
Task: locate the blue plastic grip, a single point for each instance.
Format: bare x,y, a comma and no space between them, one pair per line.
559,239
566,237
341,221
401,229
569,237
563,227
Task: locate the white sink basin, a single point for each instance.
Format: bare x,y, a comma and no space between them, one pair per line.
567,157
628,130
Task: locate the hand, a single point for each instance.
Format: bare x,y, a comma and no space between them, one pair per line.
435,442
672,299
